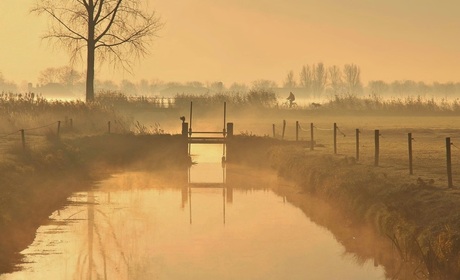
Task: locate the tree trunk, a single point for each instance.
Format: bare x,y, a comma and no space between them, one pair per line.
90,54
90,74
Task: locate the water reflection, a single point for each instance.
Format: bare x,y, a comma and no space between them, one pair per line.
208,222
209,172
142,230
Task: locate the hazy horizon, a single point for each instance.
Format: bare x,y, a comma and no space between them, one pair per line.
243,41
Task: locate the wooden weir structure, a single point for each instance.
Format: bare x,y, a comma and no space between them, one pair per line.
207,137
202,137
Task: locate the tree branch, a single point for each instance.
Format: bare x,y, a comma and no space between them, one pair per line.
53,15
98,14
107,28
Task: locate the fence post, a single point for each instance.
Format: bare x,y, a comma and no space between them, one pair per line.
191,115
409,144
184,129
23,139
229,129
58,128
274,135
335,138
297,131
377,147
312,145
284,129
225,119
71,123
449,163
108,126
357,144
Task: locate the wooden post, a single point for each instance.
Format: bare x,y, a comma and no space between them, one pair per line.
108,126
284,129
357,144
409,145
225,117
297,131
377,147
335,138
23,139
274,135
71,123
449,163
191,114
229,129
58,128
184,129
312,143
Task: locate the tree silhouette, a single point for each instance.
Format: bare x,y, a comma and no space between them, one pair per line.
319,78
351,74
113,30
335,78
290,82
306,78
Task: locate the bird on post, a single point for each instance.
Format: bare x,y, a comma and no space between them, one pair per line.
182,119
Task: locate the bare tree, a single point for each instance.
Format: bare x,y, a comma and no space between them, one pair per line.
306,78
378,87
263,85
351,74
335,78
113,30
319,78
290,80
62,75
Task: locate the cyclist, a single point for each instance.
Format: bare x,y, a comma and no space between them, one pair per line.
291,99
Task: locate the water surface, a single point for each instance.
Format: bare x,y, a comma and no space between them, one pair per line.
202,223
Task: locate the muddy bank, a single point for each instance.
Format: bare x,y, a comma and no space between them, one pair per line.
36,183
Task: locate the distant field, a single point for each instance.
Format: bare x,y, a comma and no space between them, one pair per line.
429,133
430,123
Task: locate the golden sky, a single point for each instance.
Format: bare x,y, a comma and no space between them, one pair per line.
246,40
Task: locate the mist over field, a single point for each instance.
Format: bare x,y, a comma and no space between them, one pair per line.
229,140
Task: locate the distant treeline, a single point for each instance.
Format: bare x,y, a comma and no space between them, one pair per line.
313,81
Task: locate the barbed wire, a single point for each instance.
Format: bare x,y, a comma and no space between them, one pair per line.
301,128
324,129
27,129
338,129
35,128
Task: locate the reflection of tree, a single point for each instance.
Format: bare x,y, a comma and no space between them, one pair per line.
88,264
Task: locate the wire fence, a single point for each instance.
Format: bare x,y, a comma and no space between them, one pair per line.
427,153
36,136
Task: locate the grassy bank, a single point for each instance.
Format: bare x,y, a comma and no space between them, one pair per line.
422,221
419,218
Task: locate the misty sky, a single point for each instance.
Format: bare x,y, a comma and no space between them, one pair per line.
246,40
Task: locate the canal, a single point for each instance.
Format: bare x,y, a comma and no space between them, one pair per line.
208,222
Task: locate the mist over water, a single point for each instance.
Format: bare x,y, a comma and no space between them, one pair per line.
142,225
145,233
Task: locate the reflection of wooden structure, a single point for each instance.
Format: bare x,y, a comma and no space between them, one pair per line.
227,192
